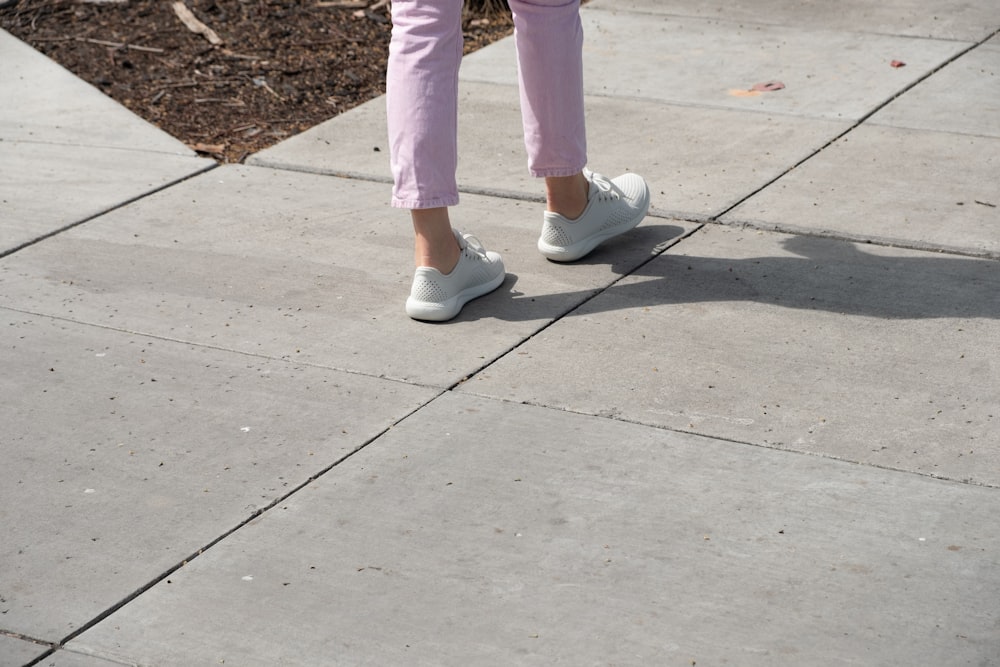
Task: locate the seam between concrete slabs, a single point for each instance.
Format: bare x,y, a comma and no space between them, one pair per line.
607,8
878,241
112,609
166,186
719,438
859,122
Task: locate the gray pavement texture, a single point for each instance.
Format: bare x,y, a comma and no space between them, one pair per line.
761,429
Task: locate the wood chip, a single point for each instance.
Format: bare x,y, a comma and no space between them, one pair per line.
211,149
194,25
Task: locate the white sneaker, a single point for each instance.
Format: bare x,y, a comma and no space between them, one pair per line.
437,297
613,207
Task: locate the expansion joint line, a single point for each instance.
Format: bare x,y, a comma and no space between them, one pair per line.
127,202
254,516
659,250
858,123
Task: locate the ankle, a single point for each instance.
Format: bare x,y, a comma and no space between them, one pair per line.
434,242
445,262
567,195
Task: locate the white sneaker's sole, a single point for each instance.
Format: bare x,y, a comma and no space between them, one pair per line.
443,311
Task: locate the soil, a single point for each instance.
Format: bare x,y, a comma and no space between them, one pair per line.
282,66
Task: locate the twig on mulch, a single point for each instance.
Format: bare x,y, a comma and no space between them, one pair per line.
194,25
101,42
261,82
119,45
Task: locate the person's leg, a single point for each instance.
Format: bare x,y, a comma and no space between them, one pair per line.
425,51
422,110
549,41
548,36
583,209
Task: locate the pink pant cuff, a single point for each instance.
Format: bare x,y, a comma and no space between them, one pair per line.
419,204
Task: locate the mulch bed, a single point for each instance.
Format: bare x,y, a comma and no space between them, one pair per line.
281,67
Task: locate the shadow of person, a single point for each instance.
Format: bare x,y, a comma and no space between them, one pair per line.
815,274
622,255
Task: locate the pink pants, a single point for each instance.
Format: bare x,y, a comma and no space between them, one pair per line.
422,94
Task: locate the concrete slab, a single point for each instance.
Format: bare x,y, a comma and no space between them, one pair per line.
699,162
123,455
45,188
307,268
950,19
566,539
918,189
827,74
18,651
864,353
54,106
962,97
71,659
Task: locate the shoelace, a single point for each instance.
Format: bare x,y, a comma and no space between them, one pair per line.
475,245
605,188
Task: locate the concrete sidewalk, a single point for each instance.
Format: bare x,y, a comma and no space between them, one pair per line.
761,429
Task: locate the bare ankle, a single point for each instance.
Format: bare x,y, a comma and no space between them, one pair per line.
434,242
567,195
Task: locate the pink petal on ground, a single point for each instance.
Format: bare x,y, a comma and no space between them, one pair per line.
768,87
